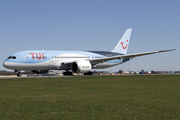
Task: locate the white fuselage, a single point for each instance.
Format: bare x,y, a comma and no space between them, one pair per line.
56,60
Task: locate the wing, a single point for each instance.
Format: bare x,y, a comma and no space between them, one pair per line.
101,60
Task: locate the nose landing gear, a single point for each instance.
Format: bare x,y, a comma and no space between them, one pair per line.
19,74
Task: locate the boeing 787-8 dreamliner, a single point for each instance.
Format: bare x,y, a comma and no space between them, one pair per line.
41,61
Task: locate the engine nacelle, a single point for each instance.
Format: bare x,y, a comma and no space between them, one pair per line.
81,66
39,71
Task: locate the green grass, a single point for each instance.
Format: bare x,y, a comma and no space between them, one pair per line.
91,98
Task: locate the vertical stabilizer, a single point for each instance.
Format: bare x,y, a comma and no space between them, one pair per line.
123,43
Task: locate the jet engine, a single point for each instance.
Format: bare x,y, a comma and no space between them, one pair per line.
39,71
81,66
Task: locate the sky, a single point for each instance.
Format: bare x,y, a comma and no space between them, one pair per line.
95,25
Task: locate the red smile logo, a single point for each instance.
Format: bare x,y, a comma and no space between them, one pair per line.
123,45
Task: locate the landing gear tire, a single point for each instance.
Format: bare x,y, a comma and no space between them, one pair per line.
19,74
67,73
89,73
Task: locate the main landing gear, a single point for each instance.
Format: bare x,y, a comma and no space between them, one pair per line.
89,73
67,73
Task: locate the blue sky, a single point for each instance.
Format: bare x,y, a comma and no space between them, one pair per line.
93,25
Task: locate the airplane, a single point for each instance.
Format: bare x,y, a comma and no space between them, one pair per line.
41,61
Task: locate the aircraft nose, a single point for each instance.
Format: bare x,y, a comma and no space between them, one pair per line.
5,64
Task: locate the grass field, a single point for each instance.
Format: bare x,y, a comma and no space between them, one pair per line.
93,98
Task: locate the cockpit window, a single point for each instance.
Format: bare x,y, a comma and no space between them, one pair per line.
9,57
12,57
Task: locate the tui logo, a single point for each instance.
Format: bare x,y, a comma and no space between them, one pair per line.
123,45
41,55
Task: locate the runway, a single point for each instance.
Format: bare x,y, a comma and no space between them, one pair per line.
14,77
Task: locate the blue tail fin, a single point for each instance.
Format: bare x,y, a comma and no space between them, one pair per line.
123,43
